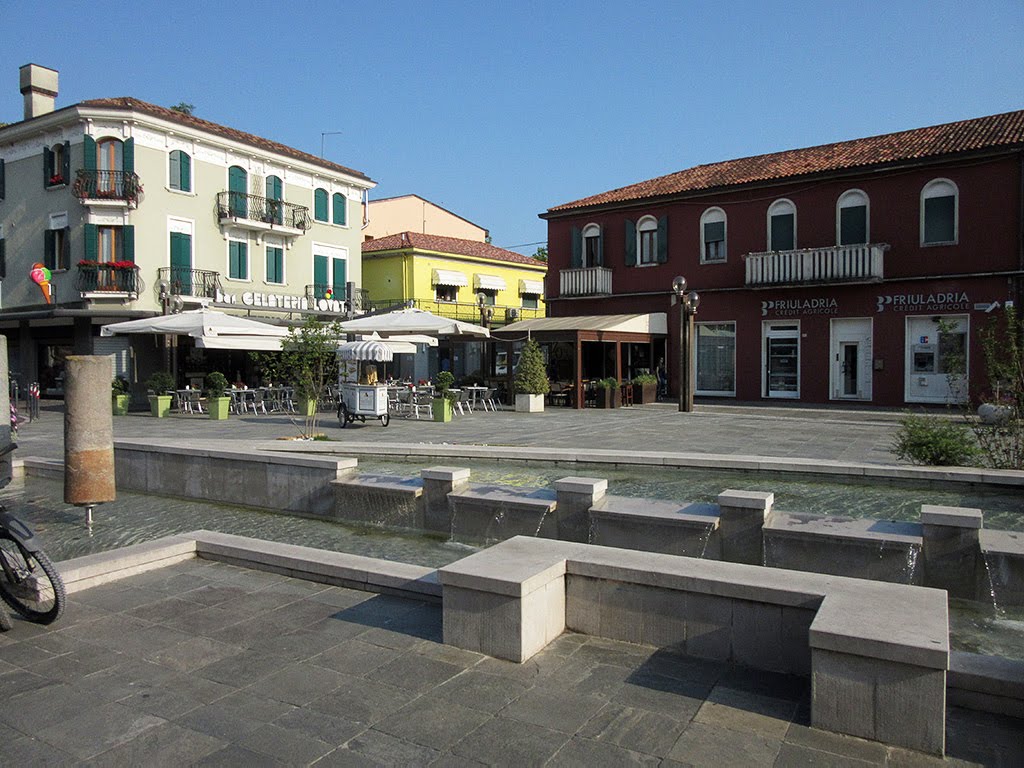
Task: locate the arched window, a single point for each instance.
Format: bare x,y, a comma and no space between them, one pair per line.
109,164
782,226
339,207
593,249
320,203
238,191
274,188
712,235
179,172
852,218
940,215
275,194
647,240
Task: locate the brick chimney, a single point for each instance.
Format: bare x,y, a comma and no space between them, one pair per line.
39,87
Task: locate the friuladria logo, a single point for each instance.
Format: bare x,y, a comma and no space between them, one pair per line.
800,307
924,302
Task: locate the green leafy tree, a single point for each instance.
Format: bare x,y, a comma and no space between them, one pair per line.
531,378
184,107
541,254
1001,438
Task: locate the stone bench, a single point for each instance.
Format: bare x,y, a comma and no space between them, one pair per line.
386,500
877,653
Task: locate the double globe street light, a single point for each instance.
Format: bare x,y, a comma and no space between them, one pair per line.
688,303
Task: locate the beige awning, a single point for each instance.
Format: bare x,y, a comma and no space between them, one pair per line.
531,287
655,323
488,282
449,277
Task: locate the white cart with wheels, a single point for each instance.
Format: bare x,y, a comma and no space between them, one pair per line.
359,400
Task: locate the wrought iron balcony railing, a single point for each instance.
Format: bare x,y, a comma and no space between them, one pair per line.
264,210
118,277
585,281
113,186
808,266
182,281
469,312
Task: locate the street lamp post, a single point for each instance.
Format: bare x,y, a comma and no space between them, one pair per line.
486,313
688,303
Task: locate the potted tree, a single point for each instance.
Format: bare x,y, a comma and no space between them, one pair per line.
119,396
441,408
161,384
645,389
531,380
608,394
214,387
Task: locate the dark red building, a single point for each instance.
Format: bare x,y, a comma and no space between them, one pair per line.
857,271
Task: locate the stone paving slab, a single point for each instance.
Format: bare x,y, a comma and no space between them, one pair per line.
354,678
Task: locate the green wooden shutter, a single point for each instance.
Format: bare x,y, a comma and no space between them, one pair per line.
128,242
600,245
64,257
174,169
273,188
630,243
320,278
89,153
853,225
128,156
92,241
65,163
49,249
181,263
238,188
47,166
340,205
338,278
940,219
663,239
186,171
576,260
320,204
782,232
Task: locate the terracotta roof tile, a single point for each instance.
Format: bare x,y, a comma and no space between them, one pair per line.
442,244
1005,130
128,103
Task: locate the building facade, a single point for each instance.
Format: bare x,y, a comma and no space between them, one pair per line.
136,210
412,213
458,278
855,272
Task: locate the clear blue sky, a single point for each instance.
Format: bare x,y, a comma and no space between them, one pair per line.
499,110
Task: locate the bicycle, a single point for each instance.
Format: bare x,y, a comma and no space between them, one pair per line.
29,581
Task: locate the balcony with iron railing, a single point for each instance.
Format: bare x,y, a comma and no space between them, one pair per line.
114,280
466,311
262,214
186,282
107,188
817,266
585,281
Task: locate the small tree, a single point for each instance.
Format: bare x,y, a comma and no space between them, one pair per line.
1002,442
308,360
531,378
184,107
161,382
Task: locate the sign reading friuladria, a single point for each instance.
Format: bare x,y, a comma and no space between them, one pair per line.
948,301
794,307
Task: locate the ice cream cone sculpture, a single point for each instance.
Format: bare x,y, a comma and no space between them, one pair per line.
41,276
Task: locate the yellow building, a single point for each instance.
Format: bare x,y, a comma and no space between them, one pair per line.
457,278
412,213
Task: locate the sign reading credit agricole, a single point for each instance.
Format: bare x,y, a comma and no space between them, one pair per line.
925,302
793,307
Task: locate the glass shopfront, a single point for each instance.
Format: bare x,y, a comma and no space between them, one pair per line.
781,361
716,359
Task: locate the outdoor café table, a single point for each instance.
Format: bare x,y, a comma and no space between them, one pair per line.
475,393
188,401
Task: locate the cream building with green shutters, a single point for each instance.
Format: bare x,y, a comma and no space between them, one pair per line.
137,210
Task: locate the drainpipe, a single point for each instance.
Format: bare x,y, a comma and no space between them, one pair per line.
366,208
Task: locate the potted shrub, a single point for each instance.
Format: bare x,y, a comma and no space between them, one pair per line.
215,385
119,396
645,389
161,384
531,380
441,408
608,394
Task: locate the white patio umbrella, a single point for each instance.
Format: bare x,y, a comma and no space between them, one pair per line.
405,321
210,329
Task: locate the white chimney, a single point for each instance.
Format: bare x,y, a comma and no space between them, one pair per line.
39,87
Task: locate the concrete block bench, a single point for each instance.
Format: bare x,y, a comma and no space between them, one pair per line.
386,500
482,513
877,653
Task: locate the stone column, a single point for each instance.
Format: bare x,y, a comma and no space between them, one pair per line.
88,431
575,496
741,525
438,482
950,549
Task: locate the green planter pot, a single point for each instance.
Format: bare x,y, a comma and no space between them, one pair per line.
119,404
160,405
218,407
441,407
306,407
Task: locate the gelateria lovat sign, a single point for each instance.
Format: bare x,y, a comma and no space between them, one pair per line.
282,302
948,301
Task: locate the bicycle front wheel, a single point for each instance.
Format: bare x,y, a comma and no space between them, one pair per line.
29,582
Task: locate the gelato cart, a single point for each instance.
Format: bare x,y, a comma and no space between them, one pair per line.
360,394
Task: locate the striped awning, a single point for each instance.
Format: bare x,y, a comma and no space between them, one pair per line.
488,282
377,351
449,277
531,287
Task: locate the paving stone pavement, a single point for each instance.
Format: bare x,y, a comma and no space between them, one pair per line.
208,664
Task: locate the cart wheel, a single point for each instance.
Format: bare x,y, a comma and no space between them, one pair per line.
385,419
343,417
362,419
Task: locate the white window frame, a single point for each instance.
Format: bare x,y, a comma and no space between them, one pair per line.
853,198
780,207
227,259
713,216
644,225
591,230
945,186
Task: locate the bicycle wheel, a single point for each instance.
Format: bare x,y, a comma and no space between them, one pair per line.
29,582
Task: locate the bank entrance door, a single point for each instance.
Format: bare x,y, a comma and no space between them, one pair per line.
781,369
851,359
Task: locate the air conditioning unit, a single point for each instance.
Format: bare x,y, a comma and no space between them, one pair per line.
511,313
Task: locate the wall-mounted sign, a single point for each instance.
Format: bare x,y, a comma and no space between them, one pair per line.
794,307
281,302
925,302
41,276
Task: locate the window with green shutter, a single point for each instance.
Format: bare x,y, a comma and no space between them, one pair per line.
321,267
782,226
853,225
340,209
180,171
338,277
275,264
238,260
320,203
